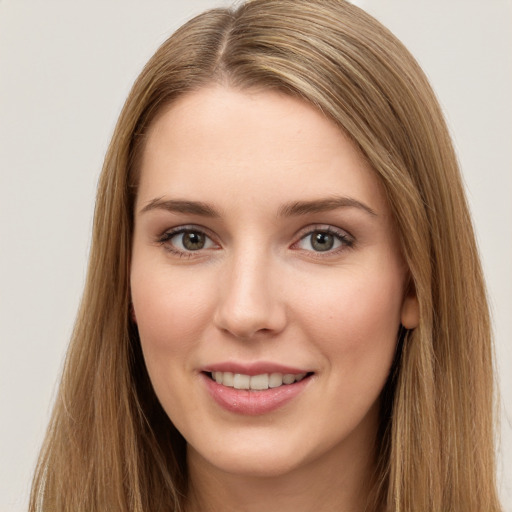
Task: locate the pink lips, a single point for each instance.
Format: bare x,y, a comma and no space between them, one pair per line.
250,402
256,368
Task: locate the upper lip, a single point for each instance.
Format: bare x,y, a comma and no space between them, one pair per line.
253,368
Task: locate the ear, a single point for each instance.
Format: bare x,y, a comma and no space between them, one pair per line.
410,314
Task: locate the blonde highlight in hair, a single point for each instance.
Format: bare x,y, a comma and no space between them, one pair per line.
110,446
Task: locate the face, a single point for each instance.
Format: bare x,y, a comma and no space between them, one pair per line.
267,282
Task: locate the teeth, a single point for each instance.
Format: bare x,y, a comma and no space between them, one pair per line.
275,380
288,378
256,382
241,381
259,381
227,378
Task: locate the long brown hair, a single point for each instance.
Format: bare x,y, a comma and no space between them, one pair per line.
110,446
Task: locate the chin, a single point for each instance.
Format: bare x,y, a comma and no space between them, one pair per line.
260,456
264,466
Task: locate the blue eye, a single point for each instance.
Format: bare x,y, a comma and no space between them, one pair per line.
324,240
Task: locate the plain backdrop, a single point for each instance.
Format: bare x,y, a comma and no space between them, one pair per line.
65,70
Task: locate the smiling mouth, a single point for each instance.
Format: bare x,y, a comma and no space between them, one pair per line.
260,382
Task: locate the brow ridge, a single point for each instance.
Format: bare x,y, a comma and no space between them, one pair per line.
181,206
298,208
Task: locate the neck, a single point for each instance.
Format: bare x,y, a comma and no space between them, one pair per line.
340,480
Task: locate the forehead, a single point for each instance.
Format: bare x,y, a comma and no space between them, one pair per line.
219,143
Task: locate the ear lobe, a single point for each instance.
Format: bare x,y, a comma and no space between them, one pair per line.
410,315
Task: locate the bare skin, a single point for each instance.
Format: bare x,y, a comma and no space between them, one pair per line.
263,240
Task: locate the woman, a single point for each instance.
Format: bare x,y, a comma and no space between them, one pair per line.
284,305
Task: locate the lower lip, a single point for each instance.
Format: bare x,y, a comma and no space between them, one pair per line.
253,403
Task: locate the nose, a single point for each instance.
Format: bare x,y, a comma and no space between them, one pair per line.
250,298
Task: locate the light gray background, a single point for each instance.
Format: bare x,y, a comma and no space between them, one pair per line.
65,70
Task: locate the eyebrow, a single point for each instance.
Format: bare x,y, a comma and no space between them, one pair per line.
323,205
181,206
293,209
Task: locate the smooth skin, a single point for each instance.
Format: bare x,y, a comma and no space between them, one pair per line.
262,234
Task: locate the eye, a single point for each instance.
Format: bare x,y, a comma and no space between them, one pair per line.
185,240
324,240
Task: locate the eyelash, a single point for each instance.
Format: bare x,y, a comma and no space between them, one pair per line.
166,238
345,240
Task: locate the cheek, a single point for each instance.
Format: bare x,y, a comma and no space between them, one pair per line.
357,322
170,319
170,311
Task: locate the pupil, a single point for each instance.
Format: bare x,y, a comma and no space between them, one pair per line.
322,241
193,241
